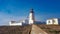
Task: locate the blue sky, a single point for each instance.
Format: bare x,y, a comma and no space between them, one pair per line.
19,9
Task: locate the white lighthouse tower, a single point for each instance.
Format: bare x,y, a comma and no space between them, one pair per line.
31,17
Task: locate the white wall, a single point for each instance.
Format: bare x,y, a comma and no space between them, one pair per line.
15,24
31,18
52,21
47,22
56,21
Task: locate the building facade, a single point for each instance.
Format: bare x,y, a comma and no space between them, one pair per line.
31,17
14,23
53,21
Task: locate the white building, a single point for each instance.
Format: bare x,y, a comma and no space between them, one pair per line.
31,17
23,22
53,21
20,23
14,23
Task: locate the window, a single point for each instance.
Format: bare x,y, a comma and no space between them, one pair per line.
53,21
48,21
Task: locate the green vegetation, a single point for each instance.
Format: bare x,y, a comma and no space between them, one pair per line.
54,31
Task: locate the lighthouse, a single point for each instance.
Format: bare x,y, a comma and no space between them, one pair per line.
31,17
